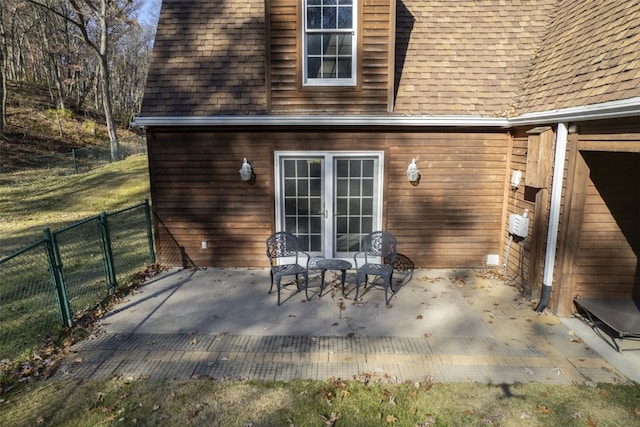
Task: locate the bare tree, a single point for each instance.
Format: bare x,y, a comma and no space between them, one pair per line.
3,71
131,60
98,22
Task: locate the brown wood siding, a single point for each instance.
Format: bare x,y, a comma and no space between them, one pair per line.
288,95
602,235
607,259
525,264
452,218
517,201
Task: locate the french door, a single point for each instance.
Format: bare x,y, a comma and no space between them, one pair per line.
330,200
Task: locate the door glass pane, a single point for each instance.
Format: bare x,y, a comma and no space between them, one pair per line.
303,204
354,201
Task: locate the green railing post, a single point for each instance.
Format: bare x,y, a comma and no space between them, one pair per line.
105,237
152,252
57,277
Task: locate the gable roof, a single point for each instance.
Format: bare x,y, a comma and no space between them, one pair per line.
469,58
466,57
208,58
591,55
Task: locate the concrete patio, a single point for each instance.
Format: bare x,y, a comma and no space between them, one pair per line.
441,325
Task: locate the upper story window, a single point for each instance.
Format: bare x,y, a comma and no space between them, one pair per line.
330,42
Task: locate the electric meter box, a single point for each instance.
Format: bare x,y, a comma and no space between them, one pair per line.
518,225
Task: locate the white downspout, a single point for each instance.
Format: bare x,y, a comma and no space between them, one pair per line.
554,215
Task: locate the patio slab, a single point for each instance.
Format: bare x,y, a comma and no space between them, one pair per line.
441,325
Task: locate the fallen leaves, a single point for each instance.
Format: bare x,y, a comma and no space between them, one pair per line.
544,409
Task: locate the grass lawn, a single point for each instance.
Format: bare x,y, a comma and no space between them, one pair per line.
316,403
34,198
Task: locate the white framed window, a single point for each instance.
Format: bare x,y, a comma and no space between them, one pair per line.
329,42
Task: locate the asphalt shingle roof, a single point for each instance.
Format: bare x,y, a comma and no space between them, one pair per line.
590,55
468,57
208,58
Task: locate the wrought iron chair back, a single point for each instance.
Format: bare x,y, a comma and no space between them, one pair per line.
382,246
285,245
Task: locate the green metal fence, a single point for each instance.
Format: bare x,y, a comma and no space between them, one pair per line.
47,285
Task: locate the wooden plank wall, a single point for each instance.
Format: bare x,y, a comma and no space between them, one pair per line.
197,195
607,259
600,237
609,247
287,93
517,201
453,218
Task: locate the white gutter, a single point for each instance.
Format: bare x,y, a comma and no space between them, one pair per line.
554,215
343,120
605,110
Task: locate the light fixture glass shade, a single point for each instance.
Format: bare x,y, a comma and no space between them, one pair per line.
412,171
245,171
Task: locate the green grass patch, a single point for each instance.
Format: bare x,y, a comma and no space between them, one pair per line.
316,403
34,199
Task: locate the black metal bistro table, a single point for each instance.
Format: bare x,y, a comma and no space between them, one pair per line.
325,264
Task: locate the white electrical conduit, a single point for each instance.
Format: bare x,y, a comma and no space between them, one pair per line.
554,215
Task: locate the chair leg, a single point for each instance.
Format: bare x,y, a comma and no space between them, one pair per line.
306,285
386,289
391,282
358,284
278,284
271,288
387,285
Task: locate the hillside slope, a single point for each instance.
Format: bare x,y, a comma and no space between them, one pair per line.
39,186
39,136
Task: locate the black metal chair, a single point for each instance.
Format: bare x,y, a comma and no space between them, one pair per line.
381,245
284,244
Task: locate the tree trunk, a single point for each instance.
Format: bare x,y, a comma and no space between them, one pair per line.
3,73
106,82
108,110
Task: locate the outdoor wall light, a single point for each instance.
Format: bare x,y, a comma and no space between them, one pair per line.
246,173
413,174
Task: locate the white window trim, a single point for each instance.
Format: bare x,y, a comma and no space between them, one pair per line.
353,81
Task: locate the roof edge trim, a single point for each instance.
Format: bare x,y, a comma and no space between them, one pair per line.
605,110
445,121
